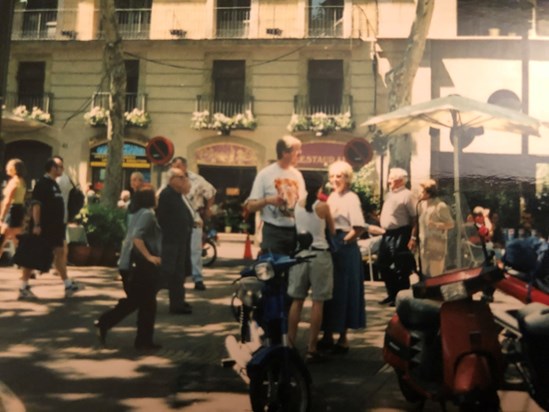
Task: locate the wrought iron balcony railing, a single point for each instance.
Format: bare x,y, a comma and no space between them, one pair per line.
325,21
133,101
303,106
41,100
35,24
228,108
232,22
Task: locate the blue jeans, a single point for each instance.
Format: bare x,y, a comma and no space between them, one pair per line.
196,254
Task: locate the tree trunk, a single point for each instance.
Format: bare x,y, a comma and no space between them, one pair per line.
115,73
401,79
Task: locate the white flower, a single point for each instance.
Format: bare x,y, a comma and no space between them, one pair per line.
344,121
298,123
322,123
36,114
200,120
137,118
97,116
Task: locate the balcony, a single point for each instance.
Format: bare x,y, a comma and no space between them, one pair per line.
492,18
223,116
321,119
133,101
325,21
232,22
41,100
44,24
133,24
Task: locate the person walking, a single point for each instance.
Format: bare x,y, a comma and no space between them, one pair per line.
176,222
48,224
313,216
398,217
12,212
347,308
434,221
137,180
276,190
139,267
201,198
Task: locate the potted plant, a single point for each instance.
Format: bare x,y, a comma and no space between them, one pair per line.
105,228
36,114
137,118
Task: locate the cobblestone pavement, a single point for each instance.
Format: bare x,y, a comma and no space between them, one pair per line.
50,359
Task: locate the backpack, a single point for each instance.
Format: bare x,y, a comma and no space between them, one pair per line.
75,202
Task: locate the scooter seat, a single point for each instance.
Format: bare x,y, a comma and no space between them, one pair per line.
534,319
417,313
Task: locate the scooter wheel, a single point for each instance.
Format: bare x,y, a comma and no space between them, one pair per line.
276,389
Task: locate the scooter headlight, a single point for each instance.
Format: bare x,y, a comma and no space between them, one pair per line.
264,271
454,291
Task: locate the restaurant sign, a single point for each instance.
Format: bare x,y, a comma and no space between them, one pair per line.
134,156
319,155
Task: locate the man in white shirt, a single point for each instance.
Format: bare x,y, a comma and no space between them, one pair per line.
276,190
398,218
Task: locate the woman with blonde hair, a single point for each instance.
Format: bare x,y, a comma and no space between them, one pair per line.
12,211
347,308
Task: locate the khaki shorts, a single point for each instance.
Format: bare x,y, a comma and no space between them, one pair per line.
317,274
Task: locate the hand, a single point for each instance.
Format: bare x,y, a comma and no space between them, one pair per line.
155,260
276,200
36,230
412,244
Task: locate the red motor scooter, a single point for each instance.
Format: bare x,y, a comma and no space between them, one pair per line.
443,344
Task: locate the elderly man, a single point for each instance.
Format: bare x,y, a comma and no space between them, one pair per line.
399,219
201,198
275,192
175,219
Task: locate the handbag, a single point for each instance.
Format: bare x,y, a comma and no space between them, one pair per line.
33,253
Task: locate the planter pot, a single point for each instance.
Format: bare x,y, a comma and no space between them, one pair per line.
96,255
228,229
79,254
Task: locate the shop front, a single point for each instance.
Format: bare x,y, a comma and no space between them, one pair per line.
134,159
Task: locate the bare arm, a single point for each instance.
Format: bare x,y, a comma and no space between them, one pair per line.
375,230
323,212
254,205
36,218
7,200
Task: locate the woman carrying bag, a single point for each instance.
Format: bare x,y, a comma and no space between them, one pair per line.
139,267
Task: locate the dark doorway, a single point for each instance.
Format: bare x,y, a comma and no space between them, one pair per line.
229,78
233,185
325,78
33,154
30,84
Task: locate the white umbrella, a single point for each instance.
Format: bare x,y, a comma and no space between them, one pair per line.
458,114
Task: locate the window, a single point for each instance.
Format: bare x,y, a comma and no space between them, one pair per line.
325,18
132,84
233,18
30,84
39,19
493,17
229,77
134,18
325,79
542,17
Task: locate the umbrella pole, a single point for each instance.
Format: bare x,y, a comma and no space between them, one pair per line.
459,217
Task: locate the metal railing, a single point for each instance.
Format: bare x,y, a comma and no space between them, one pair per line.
132,24
132,101
232,22
228,108
41,100
35,24
304,107
325,21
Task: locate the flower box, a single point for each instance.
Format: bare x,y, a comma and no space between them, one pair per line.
222,123
321,123
99,116
36,114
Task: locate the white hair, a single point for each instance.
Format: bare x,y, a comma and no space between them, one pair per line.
398,173
341,167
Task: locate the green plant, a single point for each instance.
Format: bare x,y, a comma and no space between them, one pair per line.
104,226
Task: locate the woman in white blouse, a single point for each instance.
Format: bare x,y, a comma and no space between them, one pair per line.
347,307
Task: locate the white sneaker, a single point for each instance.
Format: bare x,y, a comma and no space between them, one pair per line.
26,294
72,289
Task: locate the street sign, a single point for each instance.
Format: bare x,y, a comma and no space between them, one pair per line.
358,152
159,150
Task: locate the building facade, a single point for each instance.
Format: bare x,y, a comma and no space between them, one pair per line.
224,79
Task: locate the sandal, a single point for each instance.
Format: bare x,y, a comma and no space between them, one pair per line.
315,357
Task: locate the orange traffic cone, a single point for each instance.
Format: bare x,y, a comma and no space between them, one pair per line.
248,248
